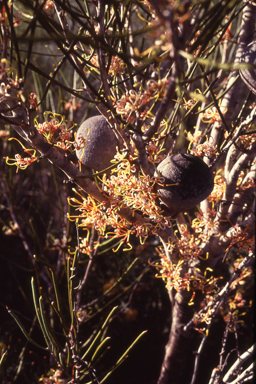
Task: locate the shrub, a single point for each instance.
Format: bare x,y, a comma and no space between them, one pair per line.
167,188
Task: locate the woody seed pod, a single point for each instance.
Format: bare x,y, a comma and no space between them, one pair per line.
100,146
193,178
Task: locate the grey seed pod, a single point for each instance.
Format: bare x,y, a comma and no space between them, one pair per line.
249,75
101,143
194,179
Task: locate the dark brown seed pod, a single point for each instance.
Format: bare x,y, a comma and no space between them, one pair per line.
249,75
101,143
194,179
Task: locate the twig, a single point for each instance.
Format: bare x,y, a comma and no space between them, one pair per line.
86,274
198,354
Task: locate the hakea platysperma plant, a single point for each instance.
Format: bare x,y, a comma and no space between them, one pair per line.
142,107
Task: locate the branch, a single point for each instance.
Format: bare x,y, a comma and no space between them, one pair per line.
246,375
231,184
29,132
231,99
234,369
217,244
224,293
163,106
244,198
179,348
142,156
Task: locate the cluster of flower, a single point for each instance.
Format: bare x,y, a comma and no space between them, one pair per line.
188,244
244,184
117,66
205,225
54,377
154,154
237,300
10,229
56,131
247,139
22,163
232,320
71,104
239,236
133,105
232,311
135,192
8,84
194,138
219,188
187,105
205,149
171,273
107,222
174,277
7,68
160,32
205,317
124,189
211,115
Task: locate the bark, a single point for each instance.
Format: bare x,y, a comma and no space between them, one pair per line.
179,349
